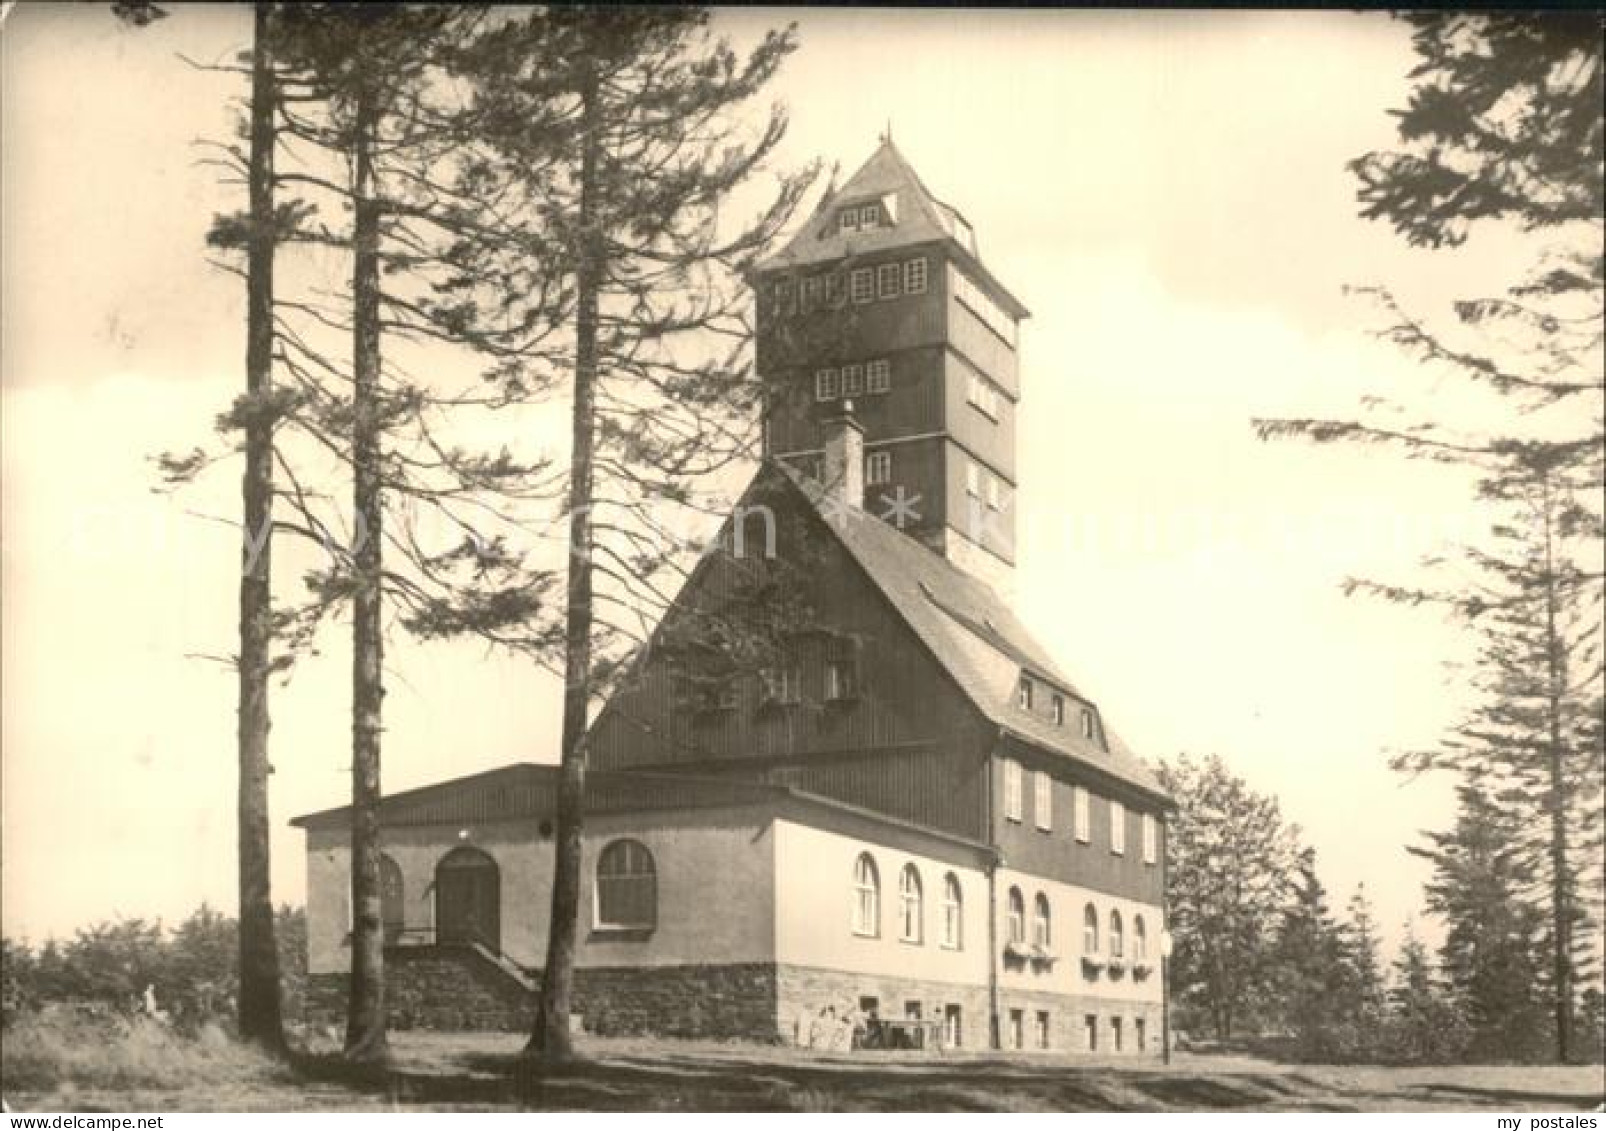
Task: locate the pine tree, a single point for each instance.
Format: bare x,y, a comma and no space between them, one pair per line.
372,96
1423,1026
1493,950
1316,984
1503,126
260,1009
619,132
1364,964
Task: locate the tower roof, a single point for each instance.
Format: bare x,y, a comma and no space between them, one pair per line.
917,217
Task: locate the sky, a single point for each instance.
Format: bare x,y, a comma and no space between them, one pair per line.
1165,191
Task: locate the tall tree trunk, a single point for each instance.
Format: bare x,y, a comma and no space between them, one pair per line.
260,1018
551,1036
365,1008
1560,882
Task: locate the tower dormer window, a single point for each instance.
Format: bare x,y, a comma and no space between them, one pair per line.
860,216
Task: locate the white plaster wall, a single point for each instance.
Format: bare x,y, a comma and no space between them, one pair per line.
1067,903
814,909
714,893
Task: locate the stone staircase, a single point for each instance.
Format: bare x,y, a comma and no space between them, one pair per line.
463,986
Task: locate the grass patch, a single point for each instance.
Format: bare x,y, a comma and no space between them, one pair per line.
56,1049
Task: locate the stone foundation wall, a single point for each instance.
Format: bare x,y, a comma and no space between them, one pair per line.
804,991
729,1002
1067,1023
454,989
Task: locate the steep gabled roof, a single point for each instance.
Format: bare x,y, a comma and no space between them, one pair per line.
971,631
921,218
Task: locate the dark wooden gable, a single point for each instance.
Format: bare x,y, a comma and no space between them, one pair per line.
708,695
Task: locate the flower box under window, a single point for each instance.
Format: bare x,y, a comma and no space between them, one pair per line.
1141,970
1091,965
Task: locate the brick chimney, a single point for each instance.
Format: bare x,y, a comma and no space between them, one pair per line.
844,456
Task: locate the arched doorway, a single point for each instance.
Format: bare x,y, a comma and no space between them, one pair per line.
468,899
392,899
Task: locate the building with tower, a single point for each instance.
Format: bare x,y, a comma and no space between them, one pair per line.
886,803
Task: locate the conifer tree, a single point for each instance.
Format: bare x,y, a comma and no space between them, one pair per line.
1424,1027
620,132
256,234
370,96
1503,126
1493,955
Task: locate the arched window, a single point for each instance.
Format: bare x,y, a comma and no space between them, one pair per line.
627,887
911,908
468,898
866,896
1115,933
1090,930
1042,922
392,899
1140,940
953,913
1017,917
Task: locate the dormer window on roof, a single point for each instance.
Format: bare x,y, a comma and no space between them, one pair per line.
860,217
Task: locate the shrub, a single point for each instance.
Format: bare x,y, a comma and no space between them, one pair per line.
86,1047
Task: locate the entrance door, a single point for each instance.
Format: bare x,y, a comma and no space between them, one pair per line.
468,899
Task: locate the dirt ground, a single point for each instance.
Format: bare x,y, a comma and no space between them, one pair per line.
481,1072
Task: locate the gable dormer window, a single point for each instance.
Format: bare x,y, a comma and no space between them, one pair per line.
859,217
1059,710
1087,723
1023,693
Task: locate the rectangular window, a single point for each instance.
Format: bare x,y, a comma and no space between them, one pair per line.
1091,1022
878,468
861,216
953,1025
1012,791
862,284
1151,839
1017,1028
1043,800
982,396
825,385
878,376
1117,827
914,276
811,292
1042,1028
1115,1033
995,493
889,280
1087,723
783,295
1084,827
1023,693
783,684
853,380
841,680
1137,1034
1059,710
973,478
836,288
